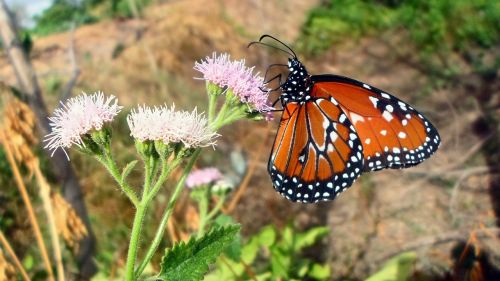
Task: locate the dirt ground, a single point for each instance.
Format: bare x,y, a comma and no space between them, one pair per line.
150,61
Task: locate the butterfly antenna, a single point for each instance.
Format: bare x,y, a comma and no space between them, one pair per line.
279,41
270,46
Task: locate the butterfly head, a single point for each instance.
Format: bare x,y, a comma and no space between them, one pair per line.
298,82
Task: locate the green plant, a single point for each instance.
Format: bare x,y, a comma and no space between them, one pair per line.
61,16
189,261
165,139
272,254
399,268
436,28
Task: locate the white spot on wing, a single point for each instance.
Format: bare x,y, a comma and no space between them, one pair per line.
333,136
330,147
326,123
387,116
355,118
383,132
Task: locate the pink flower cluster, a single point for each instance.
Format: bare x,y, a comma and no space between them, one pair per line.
203,177
170,126
234,75
77,117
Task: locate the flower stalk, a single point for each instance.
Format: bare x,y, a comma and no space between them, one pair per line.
167,213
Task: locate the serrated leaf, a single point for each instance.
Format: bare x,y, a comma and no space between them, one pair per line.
189,261
233,251
126,171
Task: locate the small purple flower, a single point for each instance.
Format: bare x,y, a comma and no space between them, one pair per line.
77,117
203,177
170,126
234,75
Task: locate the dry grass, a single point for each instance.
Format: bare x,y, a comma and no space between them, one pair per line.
7,270
69,225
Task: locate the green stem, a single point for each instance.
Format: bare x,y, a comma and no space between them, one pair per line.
165,172
232,116
212,102
149,172
203,209
216,208
149,167
134,241
108,162
220,116
167,214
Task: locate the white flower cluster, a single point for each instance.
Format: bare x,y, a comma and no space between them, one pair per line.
170,126
77,117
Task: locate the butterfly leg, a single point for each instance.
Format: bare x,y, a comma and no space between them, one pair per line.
271,66
274,78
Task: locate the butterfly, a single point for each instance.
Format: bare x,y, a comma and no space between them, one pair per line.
334,128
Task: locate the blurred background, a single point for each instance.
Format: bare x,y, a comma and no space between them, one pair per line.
436,221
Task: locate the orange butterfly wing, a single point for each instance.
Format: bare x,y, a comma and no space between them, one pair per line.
393,134
316,154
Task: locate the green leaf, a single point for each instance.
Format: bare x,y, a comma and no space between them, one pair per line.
319,271
223,220
398,268
250,250
126,171
302,267
310,237
233,251
28,262
267,236
288,236
280,262
189,261
227,270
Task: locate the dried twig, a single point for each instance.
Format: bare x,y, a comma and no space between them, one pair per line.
466,156
441,238
13,256
454,194
75,69
49,211
251,169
